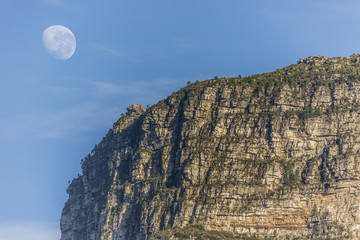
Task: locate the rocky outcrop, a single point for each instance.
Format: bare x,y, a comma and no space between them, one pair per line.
271,155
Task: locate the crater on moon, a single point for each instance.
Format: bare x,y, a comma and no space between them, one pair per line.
59,41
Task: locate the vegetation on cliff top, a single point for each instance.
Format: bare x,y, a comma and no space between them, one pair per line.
310,72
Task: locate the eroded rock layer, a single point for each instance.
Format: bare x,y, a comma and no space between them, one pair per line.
273,155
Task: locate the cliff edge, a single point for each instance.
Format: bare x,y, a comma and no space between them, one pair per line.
272,155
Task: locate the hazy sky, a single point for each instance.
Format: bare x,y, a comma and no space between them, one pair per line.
53,112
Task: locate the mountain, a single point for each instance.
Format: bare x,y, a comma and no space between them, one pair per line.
269,156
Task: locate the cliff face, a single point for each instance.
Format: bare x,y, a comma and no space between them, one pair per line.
271,155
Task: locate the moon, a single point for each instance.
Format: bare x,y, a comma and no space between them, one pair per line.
59,41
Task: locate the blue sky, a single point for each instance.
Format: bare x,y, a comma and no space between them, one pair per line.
53,112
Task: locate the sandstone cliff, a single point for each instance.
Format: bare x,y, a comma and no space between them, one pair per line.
273,155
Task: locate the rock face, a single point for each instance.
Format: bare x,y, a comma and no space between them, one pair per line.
271,155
